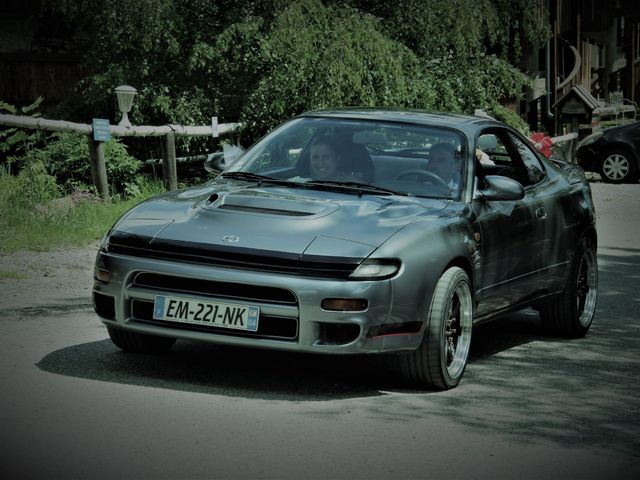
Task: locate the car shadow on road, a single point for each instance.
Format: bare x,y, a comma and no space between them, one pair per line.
575,392
257,373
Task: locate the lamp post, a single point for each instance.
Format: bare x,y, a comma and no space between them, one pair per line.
125,94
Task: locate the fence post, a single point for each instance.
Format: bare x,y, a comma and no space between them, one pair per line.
169,166
98,168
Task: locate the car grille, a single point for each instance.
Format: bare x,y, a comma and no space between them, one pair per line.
236,257
235,291
269,327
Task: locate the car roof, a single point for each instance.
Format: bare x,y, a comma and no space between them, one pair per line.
468,123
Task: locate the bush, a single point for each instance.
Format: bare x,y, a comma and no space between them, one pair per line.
31,186
510,118
66,157
122,169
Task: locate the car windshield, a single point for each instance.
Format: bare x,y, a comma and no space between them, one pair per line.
391,157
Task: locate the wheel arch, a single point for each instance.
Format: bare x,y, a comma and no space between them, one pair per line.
616,145
465,264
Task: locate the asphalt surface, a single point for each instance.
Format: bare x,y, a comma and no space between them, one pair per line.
529,406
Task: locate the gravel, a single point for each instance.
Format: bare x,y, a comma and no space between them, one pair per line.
29,279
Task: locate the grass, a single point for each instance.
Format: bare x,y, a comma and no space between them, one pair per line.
33,215
10,275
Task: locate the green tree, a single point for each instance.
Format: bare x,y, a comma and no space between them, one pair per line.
265,60
471,47
317,56
168,50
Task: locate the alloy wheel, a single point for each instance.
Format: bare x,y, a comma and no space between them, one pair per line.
457,330
616,167
587,287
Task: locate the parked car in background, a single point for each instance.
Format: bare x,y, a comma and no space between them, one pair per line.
614,153
358,231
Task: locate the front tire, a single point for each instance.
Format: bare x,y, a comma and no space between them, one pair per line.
618,166
138,342
440,361
571,313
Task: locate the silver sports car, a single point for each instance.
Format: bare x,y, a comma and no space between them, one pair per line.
358,231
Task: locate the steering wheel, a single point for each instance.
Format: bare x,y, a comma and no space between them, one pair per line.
428,176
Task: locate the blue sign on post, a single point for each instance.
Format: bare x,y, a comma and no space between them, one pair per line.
101,130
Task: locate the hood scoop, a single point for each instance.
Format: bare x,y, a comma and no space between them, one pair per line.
269,205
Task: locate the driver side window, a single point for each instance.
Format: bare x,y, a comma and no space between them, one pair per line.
496,154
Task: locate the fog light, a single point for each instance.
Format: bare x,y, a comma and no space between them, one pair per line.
345,304
102,275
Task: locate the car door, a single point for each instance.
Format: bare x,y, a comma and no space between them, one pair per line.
512,234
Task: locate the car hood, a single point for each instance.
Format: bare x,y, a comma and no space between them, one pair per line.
287,223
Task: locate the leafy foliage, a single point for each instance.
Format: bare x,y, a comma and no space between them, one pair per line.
265,60
65,157
15,142
316,56
466,46
435,28
33,182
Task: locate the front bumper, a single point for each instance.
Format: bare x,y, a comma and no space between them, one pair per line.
588,159
291,317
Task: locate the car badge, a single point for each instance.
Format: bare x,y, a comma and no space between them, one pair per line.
231,238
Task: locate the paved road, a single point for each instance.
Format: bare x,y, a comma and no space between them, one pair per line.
73,406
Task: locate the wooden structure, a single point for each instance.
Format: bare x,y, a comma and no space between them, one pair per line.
96,149
594,44
576,106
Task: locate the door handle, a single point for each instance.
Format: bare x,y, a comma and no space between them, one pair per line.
541,213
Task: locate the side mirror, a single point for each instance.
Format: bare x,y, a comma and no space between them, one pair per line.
214,163
498,188
218,161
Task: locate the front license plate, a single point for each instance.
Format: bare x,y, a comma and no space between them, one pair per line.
215,314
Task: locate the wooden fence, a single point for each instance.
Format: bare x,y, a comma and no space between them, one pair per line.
96,148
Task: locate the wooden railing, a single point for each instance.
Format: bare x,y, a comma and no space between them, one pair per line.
96,148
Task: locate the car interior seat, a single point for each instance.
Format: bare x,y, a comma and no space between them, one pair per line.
355,157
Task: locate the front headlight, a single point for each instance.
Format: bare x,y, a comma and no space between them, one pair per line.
376,269
589,139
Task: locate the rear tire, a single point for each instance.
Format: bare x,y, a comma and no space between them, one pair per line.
138,342
570,314
440,360
618,166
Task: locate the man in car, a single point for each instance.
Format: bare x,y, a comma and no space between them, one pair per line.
444,163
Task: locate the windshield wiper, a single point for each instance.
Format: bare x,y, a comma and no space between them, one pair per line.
256,177
246,176
360,187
